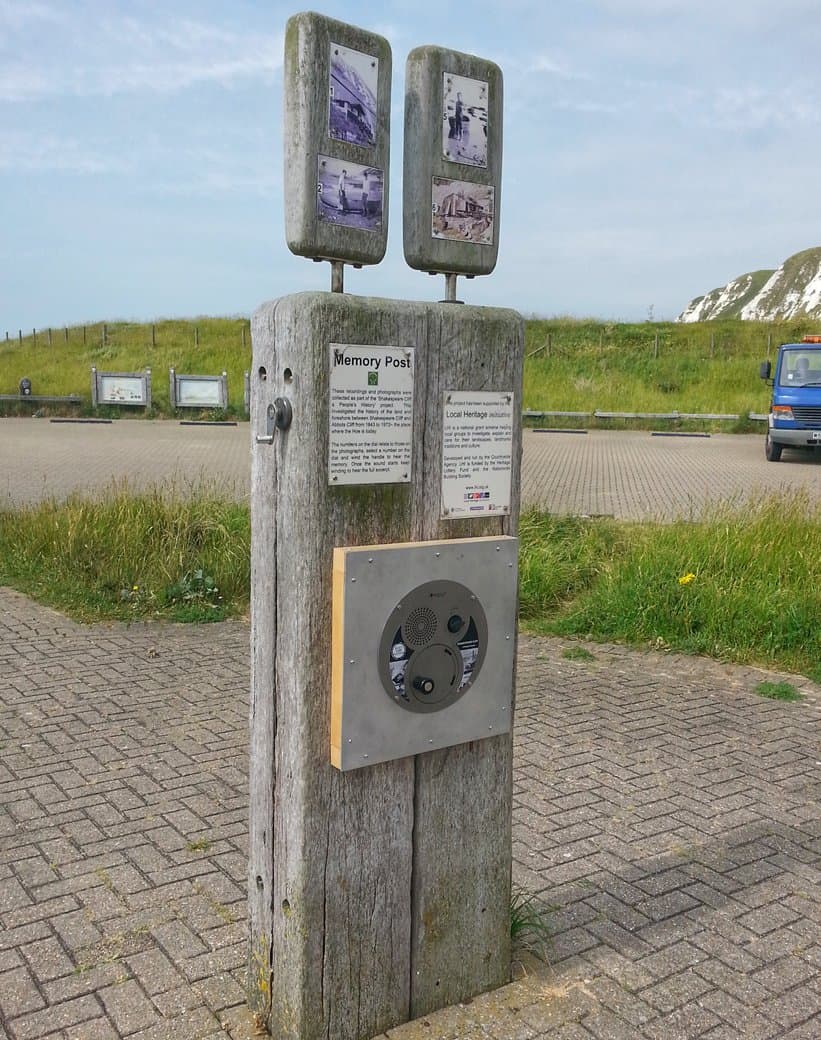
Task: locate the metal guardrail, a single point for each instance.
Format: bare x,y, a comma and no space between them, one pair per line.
597,414
41,399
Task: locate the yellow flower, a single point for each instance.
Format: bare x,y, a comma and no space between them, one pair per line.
136,588
685,579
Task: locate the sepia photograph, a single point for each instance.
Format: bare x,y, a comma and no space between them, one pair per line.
464,120
352,90
348,194
462,211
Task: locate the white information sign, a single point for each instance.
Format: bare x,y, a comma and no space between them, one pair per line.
371,414
477,454
121,389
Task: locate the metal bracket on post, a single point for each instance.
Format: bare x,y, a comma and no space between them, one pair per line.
337,276
450,288
278,417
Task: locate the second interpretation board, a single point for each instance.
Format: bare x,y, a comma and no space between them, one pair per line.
337,81
453,161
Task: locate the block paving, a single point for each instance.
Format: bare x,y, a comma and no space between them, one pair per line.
666,825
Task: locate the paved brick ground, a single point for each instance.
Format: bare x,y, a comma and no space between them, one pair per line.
666,818
630,475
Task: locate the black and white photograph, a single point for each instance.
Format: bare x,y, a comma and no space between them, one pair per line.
352,90
349,194
464,120
462,211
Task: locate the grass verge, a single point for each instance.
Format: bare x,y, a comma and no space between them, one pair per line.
126,556
743,585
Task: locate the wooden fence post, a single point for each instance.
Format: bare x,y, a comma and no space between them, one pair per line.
49,337
153,335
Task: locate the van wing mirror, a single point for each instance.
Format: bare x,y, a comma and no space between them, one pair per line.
765,369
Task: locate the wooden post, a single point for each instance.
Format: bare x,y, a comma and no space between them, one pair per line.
196,336
84,335
379,894
153,335
34,336
65,334
20,336
49,337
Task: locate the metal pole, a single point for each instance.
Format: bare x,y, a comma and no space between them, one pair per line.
337,276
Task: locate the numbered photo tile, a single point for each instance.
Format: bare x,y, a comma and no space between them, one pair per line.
463,211
352,94
464,120
348,194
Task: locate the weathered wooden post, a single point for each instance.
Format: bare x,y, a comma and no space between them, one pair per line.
381,701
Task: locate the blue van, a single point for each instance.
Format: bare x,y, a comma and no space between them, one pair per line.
795,409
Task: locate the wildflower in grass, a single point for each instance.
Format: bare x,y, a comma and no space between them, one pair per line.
685,579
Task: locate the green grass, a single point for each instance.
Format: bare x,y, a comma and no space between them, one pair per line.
129,556
743,585
577,653
704,367
778,691
707,367
529,928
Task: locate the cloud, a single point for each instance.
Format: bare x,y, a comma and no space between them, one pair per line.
41,152
117,54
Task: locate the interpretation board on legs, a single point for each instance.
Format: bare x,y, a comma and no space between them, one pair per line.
379,893
336,82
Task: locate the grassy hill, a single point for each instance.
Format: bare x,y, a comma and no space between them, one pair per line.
572,365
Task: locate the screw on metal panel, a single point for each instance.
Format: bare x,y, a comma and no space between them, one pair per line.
437,555
430,741
364,756
507,637
498,548
350,740
370,559
353,579
336,478
353,659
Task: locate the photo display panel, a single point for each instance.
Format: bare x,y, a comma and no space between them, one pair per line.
452,161
337,82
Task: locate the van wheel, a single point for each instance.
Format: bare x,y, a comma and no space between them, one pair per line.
772,450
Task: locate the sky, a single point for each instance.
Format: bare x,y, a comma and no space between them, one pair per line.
653,150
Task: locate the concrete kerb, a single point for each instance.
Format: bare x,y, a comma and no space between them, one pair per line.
663,812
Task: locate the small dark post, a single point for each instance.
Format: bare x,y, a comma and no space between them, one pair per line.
34,336
549,342
196,336
153,335
105,333
20,336
49,337
84,335
65,333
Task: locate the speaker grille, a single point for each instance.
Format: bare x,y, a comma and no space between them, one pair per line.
420,626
